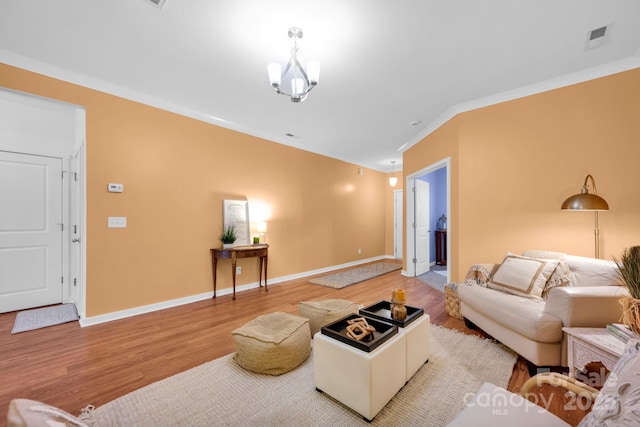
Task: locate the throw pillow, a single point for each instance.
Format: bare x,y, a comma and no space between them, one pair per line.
560,277
618,403
523,276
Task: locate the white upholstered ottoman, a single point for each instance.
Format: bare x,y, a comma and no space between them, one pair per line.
363,381
418,335
272,344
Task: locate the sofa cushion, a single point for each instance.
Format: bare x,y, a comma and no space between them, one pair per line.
523,276
592,272
523,315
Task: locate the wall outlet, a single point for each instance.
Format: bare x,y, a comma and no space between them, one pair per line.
238,270
359,250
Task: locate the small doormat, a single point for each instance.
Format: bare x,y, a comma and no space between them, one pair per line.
29,320
356,275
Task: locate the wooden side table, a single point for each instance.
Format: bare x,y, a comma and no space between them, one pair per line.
587,345
260,251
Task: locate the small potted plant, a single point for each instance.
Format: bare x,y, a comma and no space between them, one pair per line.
228,236
629,272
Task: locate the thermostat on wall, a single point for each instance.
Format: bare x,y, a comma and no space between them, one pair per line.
115,188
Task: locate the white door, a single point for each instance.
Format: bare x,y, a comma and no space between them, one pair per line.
397,224
422,242
30,231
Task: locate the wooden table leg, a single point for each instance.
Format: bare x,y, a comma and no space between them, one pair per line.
265,273
215,269
233,273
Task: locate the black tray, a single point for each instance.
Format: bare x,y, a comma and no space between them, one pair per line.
338,331
382,311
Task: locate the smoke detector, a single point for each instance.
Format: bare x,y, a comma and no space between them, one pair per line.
595,37
157,3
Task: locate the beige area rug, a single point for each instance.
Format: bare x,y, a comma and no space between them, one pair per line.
219,393
356,275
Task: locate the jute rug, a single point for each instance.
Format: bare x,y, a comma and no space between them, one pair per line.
219,393
29,320
356,275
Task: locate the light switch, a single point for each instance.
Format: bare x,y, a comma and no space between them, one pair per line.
117,222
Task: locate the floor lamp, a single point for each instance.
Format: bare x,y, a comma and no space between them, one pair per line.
586,201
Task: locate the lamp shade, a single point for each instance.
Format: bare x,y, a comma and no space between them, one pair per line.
393,180
585,202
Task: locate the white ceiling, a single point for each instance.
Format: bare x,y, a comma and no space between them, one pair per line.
384,64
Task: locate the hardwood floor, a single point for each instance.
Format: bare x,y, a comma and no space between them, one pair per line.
70,367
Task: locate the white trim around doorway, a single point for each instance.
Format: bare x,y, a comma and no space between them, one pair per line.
410,249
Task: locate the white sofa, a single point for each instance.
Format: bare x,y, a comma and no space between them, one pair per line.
577,292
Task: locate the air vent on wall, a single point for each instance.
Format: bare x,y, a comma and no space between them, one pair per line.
595,37
158,3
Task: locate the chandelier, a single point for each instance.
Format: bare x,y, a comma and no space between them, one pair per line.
300,80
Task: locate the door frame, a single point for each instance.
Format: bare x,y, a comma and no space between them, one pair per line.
410,231
71,148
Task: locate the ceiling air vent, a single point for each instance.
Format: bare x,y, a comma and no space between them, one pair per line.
158,3
595,37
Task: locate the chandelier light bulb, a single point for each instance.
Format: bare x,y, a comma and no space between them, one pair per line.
275,73
313,68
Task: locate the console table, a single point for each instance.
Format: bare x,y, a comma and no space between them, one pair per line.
261,251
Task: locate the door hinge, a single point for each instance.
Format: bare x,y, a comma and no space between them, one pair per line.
75,281
75,229
62,279
414,260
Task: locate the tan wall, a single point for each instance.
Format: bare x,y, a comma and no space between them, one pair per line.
519,160
440,144
176,171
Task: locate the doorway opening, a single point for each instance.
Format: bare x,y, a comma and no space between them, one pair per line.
424,217
43,235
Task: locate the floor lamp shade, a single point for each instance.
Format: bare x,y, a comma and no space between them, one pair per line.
585,201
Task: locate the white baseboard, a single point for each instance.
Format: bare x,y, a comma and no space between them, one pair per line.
116,315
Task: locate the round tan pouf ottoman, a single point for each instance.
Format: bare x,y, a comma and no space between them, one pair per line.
273,343
326,311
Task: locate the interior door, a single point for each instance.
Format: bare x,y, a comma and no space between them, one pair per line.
397,223
30,231
422,242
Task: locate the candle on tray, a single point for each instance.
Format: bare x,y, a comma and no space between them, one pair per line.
398,310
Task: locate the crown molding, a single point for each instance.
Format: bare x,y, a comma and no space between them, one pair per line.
608,69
